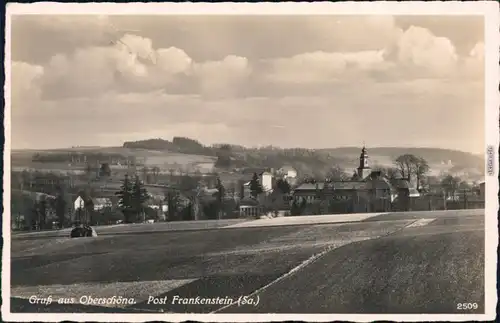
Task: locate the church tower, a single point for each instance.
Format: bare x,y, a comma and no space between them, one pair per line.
364,168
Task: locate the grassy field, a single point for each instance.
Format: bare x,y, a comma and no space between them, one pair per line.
22,159
369,267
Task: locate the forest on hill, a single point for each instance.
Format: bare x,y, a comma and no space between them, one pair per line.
305,160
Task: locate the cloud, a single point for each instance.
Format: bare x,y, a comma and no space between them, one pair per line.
477,51
132,64
173,61
472,66
177,77
222,78
25,90
419,48
253,37
25,80
353,49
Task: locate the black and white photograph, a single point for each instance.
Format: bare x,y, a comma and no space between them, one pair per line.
251,162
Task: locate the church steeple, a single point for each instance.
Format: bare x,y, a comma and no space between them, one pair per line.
364,166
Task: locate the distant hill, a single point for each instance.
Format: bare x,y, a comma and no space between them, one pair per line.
432,155
182,151
178,144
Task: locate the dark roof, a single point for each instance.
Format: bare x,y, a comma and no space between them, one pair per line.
310,186
400,183
372,183
380,183
375,174
248,202
348,185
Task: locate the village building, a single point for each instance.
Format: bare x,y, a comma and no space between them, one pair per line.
367,191
266,180
101,203
250,207
287,172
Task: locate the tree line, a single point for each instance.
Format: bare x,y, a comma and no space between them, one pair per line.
132,198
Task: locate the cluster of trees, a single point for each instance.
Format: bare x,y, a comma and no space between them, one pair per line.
178,144
231,156
407,166
453,184
39,210
224,157
195,203
132,198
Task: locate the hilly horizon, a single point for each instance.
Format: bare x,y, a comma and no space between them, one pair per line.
185,153
337,150
431,154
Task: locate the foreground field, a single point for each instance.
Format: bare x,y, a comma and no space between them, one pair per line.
418,264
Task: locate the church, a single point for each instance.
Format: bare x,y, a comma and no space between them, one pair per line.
367,191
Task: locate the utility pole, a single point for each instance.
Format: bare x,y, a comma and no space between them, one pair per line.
444,200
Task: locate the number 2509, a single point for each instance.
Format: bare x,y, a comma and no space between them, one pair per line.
467,306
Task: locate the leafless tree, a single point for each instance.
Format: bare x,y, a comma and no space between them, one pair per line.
410,166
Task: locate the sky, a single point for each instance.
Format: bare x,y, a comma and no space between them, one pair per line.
289,81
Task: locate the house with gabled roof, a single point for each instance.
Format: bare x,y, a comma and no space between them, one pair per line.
367,191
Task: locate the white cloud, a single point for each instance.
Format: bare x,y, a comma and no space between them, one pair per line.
472,67
419,48
345,68
134,64
477,51
222,78
142,47
24,80
173,60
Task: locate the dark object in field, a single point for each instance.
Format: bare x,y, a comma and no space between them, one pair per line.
83,231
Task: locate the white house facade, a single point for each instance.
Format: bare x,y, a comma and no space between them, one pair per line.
267,181
101,203
288,172
79,203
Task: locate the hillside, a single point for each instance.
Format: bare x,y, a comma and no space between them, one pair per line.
165,160
190,155
456,158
